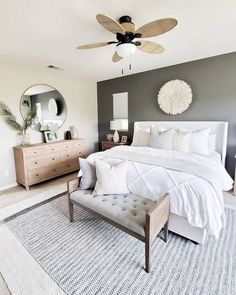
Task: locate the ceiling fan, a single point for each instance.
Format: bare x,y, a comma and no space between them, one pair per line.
126,34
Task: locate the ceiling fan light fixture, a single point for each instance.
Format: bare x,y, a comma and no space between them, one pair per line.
126,49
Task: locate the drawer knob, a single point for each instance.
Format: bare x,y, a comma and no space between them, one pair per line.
35,152
53,159
54,169
35,162
67,155
37,174
68,165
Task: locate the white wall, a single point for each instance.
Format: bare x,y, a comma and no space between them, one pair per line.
81,99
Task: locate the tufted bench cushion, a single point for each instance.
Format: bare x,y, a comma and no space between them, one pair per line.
127,210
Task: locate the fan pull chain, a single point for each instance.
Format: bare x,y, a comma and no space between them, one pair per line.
123,66
130,62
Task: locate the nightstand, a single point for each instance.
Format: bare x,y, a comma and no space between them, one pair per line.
106,145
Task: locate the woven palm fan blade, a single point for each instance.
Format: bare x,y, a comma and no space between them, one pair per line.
150,47
94,45
110,24
157,27
116,57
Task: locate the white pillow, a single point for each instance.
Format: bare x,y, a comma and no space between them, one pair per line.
181,141
161,140
141,136
211,139
212,142
88,179
111,179
199,142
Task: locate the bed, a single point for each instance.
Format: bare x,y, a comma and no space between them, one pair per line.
211,202
179,224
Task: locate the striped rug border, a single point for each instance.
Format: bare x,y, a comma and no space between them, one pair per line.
21,212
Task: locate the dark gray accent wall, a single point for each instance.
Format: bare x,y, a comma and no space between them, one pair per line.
213,82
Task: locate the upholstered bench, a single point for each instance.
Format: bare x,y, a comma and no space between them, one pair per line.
139,217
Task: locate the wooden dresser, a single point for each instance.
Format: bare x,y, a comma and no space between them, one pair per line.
39,162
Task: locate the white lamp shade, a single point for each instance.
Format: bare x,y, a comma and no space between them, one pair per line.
126,49
119,124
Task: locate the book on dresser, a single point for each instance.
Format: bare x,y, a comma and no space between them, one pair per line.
39,162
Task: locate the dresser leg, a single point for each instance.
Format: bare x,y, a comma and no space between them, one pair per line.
27,187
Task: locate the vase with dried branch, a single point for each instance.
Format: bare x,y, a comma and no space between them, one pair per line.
14,124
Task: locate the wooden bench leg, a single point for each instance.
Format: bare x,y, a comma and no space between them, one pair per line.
148,249
166,231
71,210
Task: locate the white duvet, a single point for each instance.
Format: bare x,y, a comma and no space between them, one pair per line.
195,183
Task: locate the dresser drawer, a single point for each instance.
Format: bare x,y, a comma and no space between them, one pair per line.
67,146
52,149
67,155
44,161
70,165
36,175
79,144
72,154
79,154
32,153
42,173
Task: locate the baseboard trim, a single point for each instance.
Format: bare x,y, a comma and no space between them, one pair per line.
3,188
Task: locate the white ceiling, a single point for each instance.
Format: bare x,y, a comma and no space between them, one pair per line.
43,32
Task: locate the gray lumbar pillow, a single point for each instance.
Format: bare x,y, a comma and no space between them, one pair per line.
111,179
88,179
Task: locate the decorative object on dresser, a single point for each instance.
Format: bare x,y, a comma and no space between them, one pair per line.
175,97
13,123
74,132
40,162
68,135
118,125
48,104
106,145
50,136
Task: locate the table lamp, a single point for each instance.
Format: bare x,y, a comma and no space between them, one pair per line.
118,125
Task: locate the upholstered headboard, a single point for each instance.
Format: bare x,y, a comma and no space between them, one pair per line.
218,128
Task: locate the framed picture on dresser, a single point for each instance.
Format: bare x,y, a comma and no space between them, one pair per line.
50,136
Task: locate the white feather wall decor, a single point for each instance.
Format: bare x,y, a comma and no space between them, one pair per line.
175,97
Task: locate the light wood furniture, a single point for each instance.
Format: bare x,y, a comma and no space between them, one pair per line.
156,218
39,162
106,145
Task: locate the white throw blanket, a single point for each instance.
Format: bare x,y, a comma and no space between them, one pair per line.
195,184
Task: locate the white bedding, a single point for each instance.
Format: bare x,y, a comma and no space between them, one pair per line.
195,183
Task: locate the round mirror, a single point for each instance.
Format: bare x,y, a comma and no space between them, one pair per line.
48,105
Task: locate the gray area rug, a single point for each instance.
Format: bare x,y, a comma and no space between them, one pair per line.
92,257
